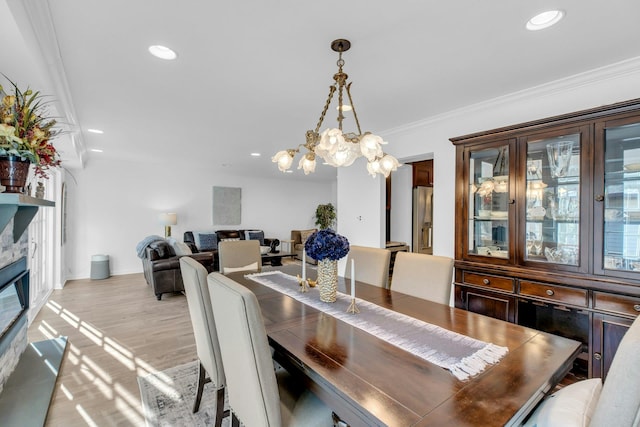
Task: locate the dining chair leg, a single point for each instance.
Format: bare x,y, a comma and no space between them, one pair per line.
220,412
235,422
202,380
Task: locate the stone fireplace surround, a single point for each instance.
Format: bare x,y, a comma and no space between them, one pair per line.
15,342
28,371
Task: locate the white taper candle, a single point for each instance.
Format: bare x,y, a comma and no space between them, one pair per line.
353,278
304,264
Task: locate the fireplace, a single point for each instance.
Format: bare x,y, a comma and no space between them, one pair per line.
14,304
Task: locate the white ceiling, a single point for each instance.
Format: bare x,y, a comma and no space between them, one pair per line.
253,76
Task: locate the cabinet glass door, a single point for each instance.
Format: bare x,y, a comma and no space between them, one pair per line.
622,198
553,200
489,202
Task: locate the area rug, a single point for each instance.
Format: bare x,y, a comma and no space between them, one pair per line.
168,396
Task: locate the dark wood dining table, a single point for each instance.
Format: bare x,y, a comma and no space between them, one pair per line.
368,382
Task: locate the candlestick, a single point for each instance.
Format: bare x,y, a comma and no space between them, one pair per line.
353,308
304,264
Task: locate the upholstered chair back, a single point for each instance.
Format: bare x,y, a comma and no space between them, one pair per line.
371,265
252,386
239,255
194,276
424,276
619,403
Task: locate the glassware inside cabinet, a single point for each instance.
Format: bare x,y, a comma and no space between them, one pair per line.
489,202
553,200
622,198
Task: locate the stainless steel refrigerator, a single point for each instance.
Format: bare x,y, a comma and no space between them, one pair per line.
423,220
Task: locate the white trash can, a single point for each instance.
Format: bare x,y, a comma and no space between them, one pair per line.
99,266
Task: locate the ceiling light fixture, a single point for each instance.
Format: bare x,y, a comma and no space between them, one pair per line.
256,154
334,146
98,131
162,52
545,20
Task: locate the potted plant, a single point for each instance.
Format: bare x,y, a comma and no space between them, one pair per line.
25,138
325,216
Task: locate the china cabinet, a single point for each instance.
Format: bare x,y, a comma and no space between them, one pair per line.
548,234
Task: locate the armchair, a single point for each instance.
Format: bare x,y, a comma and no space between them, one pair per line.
161,267
299,237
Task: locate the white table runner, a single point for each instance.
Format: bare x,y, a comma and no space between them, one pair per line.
461,355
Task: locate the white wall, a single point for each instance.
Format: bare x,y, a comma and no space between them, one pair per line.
113,207
361,205
614,83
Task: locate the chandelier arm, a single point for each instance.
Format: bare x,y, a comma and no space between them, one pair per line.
353,108
332,90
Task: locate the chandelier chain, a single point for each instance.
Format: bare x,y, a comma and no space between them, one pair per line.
353,108
332,90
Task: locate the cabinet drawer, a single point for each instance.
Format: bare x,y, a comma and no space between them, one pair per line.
555,293
493,282
616,303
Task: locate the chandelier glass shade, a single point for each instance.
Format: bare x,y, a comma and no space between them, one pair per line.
334,146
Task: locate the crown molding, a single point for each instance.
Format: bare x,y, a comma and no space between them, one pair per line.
613,71
37,27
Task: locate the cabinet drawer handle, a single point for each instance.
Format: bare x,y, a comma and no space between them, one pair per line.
486,281
597,356
549,292
636,307
599,198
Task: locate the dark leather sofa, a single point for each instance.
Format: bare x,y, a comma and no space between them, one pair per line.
162,267
221,235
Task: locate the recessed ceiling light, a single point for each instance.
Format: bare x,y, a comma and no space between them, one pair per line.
96,150
162,52
95,131
256,154
288,171
545,20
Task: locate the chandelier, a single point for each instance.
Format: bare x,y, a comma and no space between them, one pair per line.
334,146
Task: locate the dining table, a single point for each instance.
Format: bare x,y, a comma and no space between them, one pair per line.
368,381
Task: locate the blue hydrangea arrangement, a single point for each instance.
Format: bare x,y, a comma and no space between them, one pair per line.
326,244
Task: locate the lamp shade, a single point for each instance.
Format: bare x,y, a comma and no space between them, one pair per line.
168,218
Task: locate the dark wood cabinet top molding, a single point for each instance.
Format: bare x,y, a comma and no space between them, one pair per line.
632,105
22,209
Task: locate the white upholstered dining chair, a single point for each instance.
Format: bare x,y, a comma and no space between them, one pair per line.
371,265
592,403
194,276
424,276
257,396
239,255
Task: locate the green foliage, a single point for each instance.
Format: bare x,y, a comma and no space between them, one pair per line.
325,216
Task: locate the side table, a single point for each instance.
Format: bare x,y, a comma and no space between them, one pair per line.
289,244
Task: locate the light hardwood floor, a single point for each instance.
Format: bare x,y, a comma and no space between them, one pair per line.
117,331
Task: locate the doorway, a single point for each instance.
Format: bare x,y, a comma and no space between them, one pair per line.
422,207
42,256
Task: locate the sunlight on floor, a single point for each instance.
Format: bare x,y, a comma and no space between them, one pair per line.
127,403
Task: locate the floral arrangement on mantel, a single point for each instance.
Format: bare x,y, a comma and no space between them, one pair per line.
327,247
26,131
